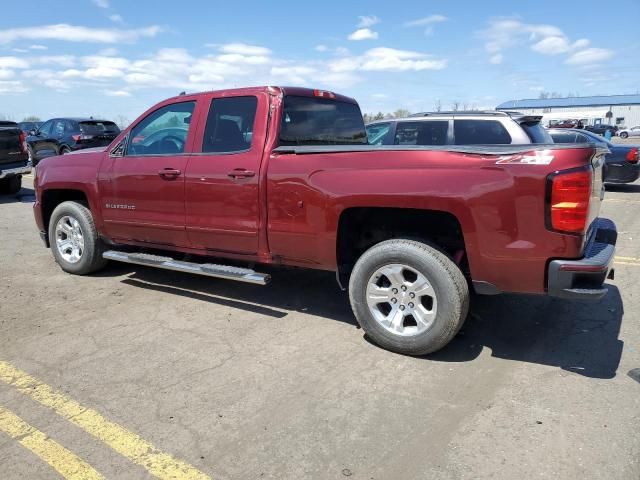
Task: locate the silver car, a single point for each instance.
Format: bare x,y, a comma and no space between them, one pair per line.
629,132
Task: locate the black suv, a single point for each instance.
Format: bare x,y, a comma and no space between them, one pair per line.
63,135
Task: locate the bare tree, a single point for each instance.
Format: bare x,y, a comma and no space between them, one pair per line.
438,106
401,113
31,118
122,121
455,106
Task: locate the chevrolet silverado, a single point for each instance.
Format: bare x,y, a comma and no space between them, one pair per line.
284,176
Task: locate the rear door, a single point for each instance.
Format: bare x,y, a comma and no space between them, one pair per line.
222,181
143,190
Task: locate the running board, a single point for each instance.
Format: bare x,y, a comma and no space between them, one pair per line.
208,269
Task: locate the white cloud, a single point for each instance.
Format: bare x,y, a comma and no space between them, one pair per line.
117,93
388,59
590,56
368,21
38,47
5,74
244,49
496,59
421,22
247,59
61,60
13,62
74,33
363,34
101,3
321,48
12,86
108,52
544,39
116,18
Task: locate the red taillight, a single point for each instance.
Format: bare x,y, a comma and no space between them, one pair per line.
76,138
23,142
324,94
569,200
632,155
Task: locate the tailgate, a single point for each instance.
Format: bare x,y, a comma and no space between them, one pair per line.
597,192
10,148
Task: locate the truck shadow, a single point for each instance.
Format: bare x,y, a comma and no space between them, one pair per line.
577,337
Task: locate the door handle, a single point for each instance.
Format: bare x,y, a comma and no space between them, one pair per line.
241,173
169,173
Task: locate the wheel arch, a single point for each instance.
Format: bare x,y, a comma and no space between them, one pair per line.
359,228
51,198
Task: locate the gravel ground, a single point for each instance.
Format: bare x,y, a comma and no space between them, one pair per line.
243,382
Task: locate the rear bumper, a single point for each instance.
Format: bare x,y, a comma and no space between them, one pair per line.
10,172
584,279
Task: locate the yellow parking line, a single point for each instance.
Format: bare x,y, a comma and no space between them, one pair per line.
66,463
636,264
123,441
633,259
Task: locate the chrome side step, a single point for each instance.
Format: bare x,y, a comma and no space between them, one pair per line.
208,269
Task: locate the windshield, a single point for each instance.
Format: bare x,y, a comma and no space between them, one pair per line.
321,121
536,132
98,128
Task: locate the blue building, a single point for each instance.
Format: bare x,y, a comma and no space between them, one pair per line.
620,110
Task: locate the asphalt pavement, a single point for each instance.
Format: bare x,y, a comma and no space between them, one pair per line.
141,373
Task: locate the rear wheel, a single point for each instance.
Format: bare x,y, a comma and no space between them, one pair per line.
408,296
74,239
624,135
64,150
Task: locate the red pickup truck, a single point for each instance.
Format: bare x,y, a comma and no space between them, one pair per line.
285,176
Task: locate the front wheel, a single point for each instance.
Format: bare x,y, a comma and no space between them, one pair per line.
624,135
74,239
408,297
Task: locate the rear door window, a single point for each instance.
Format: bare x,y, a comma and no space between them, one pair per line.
480,132
230,125
430,132
321,121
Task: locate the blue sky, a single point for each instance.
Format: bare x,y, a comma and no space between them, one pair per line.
118,57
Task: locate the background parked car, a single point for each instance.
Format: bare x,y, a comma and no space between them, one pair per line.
63,135
459,128
621,165
630,132
567,124
601,129
27,127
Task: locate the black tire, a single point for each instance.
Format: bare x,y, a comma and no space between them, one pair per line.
91,258
14,184
449,286
624,135
64,150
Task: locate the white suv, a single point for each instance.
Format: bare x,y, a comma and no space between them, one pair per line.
459,128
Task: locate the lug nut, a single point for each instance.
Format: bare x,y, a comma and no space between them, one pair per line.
412,295
395,290
410,305
404,288
393,300
401,307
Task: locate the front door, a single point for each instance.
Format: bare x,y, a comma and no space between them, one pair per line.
143,190
222,184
